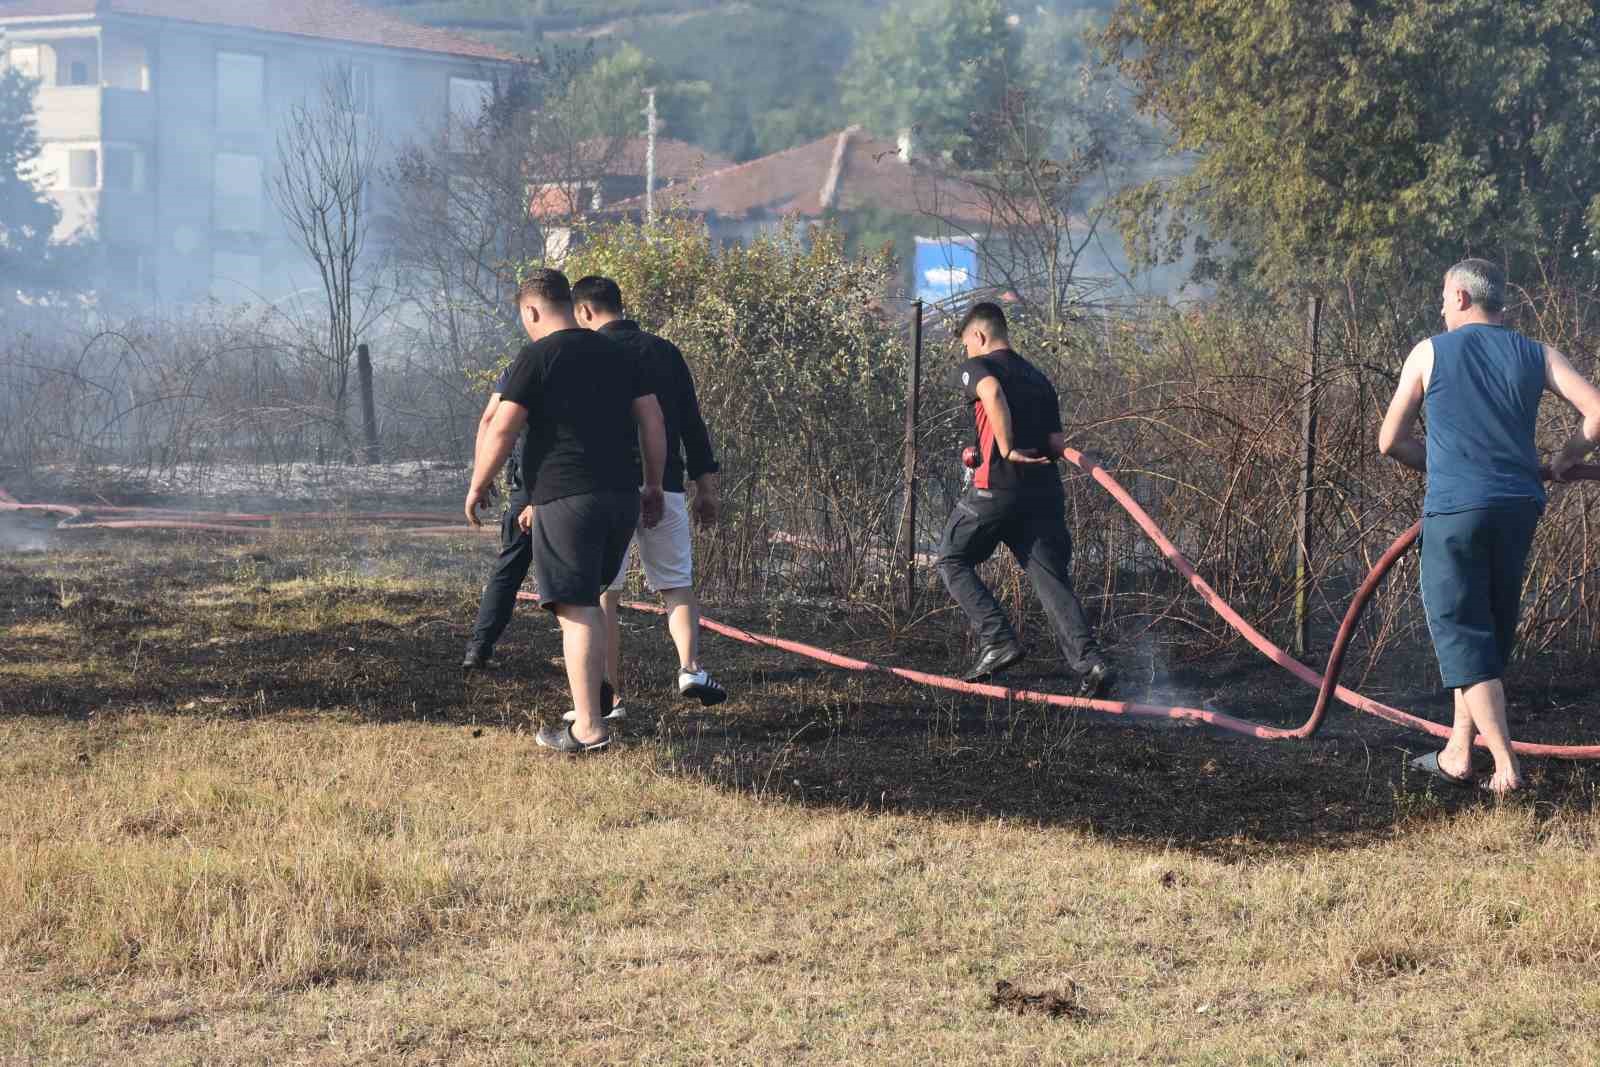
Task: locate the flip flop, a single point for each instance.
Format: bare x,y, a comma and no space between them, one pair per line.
1429,764
563,741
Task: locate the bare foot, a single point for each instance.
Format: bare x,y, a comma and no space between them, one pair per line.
1507,779
1457,762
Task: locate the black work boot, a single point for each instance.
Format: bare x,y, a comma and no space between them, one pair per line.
1097,680
476,659
993,660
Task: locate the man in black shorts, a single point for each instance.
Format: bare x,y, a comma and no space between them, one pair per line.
585,403
1015,497
516,550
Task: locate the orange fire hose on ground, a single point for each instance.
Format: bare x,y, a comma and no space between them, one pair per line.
1326,683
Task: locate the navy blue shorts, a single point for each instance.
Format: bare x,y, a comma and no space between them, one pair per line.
1472,568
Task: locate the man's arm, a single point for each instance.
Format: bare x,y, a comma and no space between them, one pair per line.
1397,438
998,411
701,462
653,450
698,456
1562,379
484,420
494,444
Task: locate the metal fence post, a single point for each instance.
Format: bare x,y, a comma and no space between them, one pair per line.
908,516
1308,470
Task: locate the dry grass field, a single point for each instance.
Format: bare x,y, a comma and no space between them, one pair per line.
251,813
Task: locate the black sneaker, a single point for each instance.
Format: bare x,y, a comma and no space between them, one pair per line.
1097,680
561,740
993,660
476,659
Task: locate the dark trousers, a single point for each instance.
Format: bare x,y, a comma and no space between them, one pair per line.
500,593
1034,527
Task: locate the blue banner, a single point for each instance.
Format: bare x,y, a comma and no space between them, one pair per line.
945,267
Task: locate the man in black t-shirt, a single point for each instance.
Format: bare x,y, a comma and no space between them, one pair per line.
1016,498
585,402
516,550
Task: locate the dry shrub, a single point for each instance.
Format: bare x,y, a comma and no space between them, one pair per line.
800,372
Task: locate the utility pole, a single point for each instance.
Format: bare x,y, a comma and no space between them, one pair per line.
650,156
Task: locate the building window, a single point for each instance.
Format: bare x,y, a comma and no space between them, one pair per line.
124,169
235,277
68,166
237,203
77,62
241,91
127,64
83,168
469,99
128,271
25,59
355,85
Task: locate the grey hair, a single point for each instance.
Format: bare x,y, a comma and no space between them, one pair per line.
1484,283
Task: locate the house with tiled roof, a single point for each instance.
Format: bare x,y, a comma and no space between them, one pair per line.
844,172
606,171
159,121
938,220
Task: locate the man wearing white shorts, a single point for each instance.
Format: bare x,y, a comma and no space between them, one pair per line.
667,549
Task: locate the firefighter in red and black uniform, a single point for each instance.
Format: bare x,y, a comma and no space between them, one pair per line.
1016,498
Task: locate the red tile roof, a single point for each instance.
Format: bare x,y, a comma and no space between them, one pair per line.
331,20
845,171
675,160
555,201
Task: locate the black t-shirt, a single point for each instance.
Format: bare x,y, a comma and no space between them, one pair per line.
1035,415
680,407
579,390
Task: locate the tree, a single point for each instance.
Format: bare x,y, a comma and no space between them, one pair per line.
1043,161
606,100
477,202
27,214
929,66
327,159
1333,139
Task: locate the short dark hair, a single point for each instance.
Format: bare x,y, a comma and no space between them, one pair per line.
548,286
602,294
1484,282
988,315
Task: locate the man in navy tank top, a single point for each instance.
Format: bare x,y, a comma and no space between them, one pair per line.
1482,383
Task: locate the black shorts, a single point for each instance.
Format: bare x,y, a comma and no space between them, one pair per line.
578,544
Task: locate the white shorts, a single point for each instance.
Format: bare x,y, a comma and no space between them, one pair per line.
666,549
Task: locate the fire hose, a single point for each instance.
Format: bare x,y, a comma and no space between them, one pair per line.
1326,683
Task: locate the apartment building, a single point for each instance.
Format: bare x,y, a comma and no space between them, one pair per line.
159,120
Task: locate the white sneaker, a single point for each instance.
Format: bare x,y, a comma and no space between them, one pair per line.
699,685
618,711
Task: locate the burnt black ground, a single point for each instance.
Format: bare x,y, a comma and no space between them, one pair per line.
793,731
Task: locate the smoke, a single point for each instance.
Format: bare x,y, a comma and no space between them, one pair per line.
25,534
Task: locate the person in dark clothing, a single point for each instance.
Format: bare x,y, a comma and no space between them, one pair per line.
586,403
1015,497
1482,384
516,551
667,551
